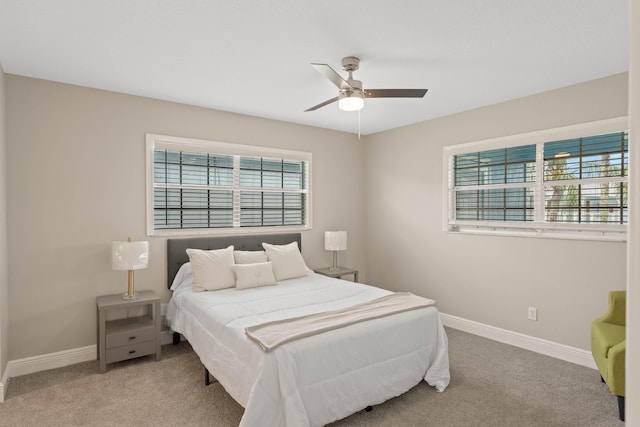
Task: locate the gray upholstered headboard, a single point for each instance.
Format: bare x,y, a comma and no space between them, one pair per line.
177,248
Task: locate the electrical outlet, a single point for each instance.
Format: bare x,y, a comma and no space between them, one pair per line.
533,313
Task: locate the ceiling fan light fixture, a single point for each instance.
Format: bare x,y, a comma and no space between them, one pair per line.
351,103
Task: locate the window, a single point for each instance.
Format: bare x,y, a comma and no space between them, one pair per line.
585,179
568,182
196,187
495,185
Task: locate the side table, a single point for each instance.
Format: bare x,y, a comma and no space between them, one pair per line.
338,272
131,337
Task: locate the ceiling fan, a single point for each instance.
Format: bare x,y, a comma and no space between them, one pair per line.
351,95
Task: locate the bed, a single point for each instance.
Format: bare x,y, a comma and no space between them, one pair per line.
310,381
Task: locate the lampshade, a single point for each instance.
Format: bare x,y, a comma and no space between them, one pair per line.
335,240
351,103
129,255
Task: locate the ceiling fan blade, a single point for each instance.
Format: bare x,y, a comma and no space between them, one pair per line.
322,104
333,77
395,93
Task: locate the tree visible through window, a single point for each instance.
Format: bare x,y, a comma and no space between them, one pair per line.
573,185
585,179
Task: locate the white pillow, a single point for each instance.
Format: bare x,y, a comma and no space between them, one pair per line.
212,269
184,277
254,275
249,257
287,260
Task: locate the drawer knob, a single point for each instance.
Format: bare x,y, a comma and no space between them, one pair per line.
132,338
132,351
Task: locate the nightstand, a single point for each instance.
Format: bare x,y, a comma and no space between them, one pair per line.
124,339
338,272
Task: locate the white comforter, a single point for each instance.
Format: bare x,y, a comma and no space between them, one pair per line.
318,379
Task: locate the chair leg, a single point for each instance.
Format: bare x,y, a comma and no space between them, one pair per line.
621,407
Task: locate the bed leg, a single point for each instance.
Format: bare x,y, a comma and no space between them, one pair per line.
176,338
207,379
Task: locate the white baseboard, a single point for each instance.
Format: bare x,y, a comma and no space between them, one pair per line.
4,385
538,345
29,365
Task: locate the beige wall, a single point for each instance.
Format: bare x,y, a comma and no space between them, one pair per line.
77,174
487,279
4,276
77,183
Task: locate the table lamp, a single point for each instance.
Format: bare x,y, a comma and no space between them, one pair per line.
129,256
335,241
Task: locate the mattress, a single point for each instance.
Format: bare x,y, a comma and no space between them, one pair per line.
318,379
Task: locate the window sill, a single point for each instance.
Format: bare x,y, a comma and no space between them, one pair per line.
544,233
226,231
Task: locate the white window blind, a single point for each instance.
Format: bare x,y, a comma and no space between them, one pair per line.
586,179
495,185
573,187
211,187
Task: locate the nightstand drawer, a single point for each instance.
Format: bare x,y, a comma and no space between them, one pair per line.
130,351
129,331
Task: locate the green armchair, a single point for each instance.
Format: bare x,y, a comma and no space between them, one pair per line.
608,345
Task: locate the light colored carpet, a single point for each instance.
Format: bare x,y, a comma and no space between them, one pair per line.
492,384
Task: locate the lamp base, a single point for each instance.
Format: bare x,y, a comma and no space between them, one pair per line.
131,294
334,267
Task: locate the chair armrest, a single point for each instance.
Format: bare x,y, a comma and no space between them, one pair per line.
616,361
616,311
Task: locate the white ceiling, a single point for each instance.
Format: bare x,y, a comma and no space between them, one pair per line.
253,56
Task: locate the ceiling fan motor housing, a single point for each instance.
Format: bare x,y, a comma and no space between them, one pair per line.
350,63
